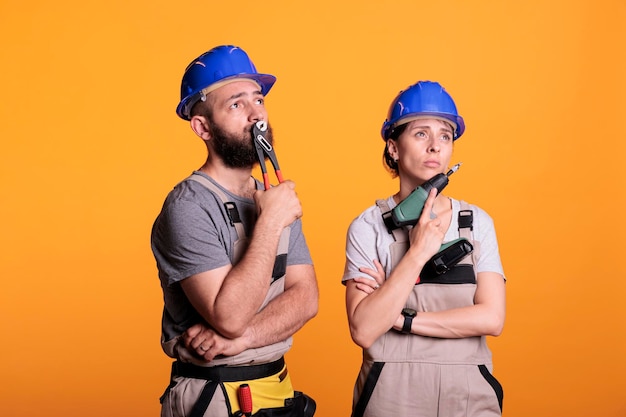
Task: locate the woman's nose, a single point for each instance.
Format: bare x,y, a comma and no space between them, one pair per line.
434,146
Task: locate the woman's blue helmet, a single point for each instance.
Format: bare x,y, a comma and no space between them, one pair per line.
425,98
219,65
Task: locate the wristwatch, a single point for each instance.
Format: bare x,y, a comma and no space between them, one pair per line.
408,314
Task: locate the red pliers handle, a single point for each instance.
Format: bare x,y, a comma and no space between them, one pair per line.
265,149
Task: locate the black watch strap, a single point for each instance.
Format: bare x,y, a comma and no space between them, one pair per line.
408,320
406,327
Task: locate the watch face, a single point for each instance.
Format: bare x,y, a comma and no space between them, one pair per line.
409,312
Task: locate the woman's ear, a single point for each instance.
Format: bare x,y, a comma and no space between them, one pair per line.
200,126
392,148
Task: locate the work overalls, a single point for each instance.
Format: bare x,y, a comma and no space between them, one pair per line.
408,374
198,390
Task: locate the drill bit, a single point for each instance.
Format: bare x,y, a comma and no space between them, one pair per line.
454,169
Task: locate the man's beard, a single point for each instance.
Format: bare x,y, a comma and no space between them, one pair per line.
236,150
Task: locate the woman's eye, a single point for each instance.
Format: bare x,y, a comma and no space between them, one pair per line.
446,138
420,134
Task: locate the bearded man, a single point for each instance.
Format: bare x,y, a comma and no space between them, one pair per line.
236,273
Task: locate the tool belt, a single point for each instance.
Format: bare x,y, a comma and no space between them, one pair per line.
300,405
227,373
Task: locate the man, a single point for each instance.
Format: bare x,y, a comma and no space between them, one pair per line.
235,269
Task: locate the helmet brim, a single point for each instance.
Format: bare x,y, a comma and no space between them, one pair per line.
265,82
457,122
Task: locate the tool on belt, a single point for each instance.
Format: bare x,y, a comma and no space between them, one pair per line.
245,400
265,149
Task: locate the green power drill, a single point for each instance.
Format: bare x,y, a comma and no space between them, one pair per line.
408,211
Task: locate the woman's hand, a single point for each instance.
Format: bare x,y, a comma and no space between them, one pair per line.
427,235
367,285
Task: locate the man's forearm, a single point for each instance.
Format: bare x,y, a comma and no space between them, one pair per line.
249,280
284,315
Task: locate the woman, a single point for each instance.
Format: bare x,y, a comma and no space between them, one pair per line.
423,338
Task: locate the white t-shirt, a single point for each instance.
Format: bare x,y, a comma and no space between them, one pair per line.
369,239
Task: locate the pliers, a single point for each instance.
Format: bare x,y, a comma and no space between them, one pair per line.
263,149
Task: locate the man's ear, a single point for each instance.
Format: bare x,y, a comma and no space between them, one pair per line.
200,126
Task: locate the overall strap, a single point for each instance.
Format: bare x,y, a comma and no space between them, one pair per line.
241,243
466,228
399,234
231,208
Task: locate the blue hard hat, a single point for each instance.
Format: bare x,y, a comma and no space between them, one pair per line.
221,63
424,98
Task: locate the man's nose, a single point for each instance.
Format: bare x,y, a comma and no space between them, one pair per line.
256,114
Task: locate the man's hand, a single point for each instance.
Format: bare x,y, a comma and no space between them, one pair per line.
207,343
280,204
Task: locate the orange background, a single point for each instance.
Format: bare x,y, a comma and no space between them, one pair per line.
91,145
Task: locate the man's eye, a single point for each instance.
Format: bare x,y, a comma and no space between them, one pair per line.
260,101
234,106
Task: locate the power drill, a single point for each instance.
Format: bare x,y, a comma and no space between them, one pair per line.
408,211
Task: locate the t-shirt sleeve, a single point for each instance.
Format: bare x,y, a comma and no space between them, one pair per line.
489,260
298,249
187,241
361,241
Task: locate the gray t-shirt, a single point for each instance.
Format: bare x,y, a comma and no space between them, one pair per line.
191,235
368,239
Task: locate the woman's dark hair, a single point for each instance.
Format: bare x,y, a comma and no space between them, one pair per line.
390,163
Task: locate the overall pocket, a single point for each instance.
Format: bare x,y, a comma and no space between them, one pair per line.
493,382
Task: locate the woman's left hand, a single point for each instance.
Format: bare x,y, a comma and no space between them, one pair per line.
368,285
